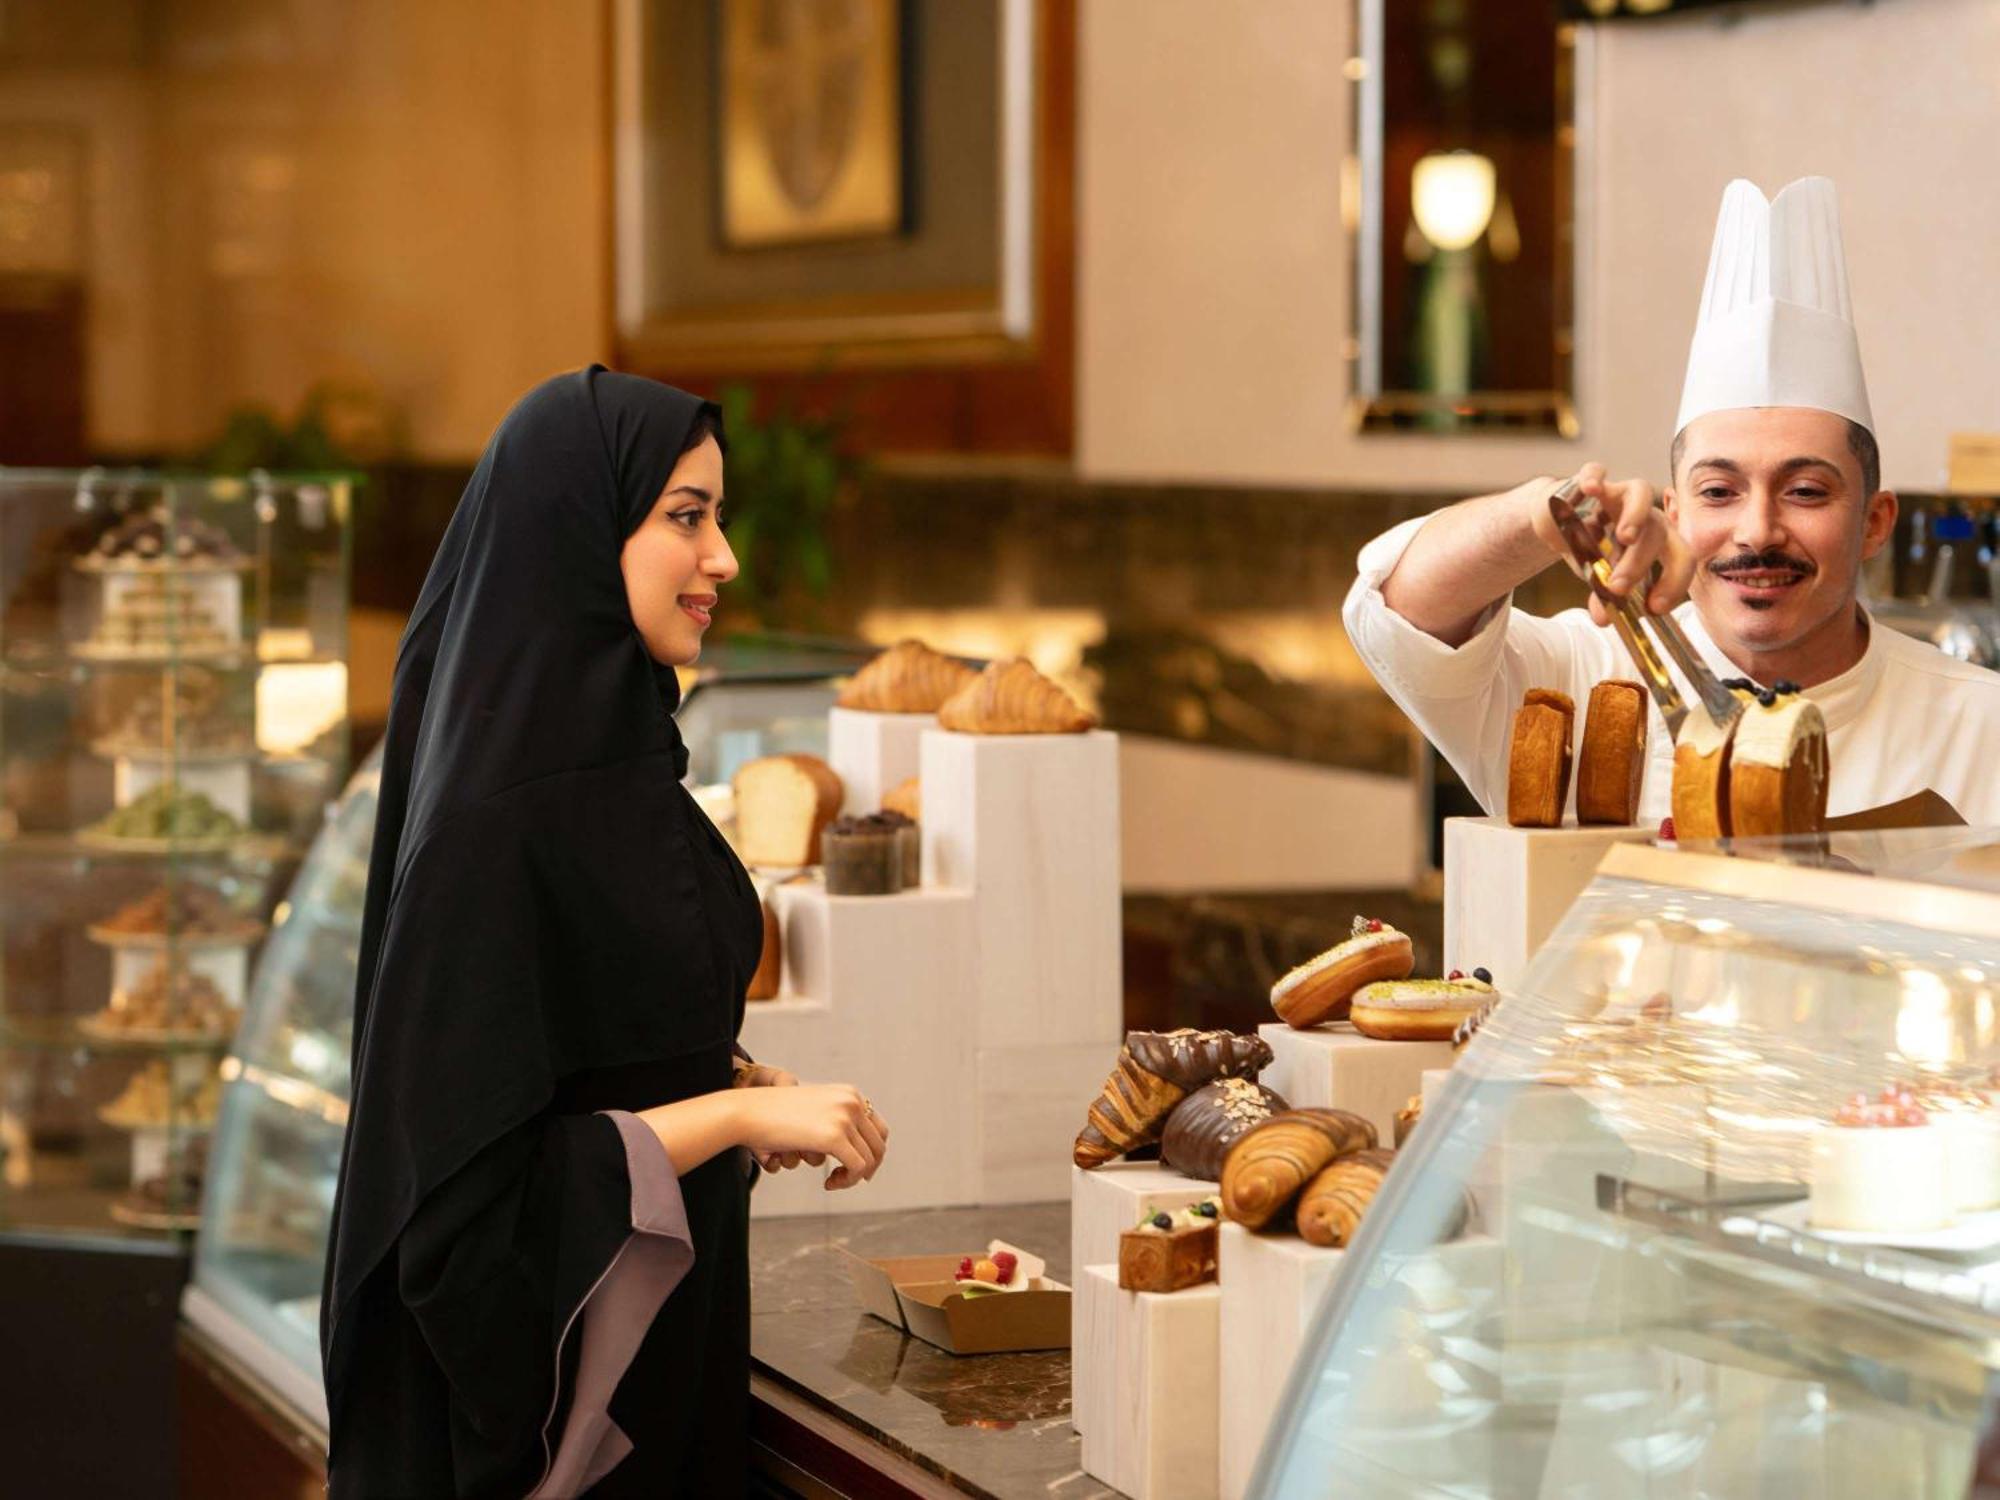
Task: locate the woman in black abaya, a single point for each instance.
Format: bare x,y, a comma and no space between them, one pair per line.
537,1284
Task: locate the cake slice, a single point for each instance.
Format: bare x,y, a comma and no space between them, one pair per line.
1538,759
1167,1252
1611,767
1777,766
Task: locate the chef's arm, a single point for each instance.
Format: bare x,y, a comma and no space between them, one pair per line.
1470,555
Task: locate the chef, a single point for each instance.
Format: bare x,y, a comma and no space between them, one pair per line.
1775,500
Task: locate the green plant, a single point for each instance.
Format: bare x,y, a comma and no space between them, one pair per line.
786,474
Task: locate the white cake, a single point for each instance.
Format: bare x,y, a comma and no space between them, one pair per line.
1881,1167
1972,1156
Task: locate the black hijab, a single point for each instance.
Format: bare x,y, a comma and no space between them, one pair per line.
533,909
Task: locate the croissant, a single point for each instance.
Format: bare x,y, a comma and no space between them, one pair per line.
1126,1114
1266,1168
1407,1118
907,798
1013,698
1192,1058
908,678
1331,1207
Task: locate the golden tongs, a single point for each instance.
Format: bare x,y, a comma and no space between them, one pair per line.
1582,525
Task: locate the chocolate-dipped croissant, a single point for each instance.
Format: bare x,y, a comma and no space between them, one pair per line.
1332,1204
908,678
1266,1168
1209,1121
1156,1070
1013,698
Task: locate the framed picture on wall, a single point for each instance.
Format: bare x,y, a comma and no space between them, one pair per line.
810,128
810,184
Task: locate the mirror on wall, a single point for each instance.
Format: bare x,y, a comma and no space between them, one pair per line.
1459,200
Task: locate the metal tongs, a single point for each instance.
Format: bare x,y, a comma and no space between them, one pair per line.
1582,526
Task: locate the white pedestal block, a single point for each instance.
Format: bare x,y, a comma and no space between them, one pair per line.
1505,889
875,995
1147,1386
874,753
1104,1203
1029,824
1335,1067
1031,1104
1271,1288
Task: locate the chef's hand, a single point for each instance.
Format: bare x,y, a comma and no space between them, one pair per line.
1643,537
811,1122
764,1076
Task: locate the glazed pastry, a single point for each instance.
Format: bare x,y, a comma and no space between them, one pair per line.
1266,1168
1612,764
1777,766
783,804
1417,1010
1013,698
908,678
863,857
1332,1204
905,798
1166,1252
1407,1118
1156,1070
764,984
1320,989
1209,1121
1538,759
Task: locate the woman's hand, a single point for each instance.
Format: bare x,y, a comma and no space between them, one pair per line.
752,1075
811,1122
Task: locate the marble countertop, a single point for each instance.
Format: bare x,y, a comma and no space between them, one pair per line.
994,1425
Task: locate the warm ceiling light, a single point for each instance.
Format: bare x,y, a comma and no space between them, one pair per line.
1451,193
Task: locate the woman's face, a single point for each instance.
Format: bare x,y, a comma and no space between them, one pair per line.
676,559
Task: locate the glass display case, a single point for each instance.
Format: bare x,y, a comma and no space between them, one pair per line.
1708,1206
173,717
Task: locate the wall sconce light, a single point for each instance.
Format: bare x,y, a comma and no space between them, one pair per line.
1451,194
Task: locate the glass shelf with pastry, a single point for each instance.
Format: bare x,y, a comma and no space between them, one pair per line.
1712,1194
261,1249
172,724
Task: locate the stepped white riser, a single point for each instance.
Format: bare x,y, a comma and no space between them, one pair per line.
1505,889
1147,1367
1272,1286
1335,1067
874,753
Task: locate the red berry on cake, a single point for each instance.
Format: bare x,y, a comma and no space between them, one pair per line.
1667,831
1456,974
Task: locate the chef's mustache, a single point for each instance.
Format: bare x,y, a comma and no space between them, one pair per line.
1772,560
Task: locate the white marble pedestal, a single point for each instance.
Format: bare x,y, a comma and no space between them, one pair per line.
1505,889
1336,1067
1146,1387
874,753
1272,1286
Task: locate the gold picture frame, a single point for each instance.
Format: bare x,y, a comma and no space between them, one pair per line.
811,125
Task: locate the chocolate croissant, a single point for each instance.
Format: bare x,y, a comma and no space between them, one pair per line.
1266,1168
1013,698
1332,1204
1156,1070
908,678
1209,1121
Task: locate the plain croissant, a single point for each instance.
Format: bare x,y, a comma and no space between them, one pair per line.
1266,1168
1332,1204
1013,698
908,678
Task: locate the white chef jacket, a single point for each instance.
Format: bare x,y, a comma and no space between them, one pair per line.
1904,718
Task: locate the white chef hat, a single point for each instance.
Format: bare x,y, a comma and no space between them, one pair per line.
1776,328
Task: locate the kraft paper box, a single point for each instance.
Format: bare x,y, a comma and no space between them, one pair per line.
917,1293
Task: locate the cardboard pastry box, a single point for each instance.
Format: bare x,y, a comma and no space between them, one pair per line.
917,1293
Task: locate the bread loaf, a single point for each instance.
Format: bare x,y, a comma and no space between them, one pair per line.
1013,698
783,803
1611,767
765,983
908,678
1538,759
1270,1164
1209,1121
1332,1204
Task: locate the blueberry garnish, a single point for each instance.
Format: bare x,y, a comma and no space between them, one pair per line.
1484,976
1784,686
1163,1221
1766,697
1206,1210
1739,683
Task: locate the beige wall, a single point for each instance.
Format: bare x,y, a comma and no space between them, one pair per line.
1213,271
409,197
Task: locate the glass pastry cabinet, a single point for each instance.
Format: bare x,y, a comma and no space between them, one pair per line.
173,718
1710,1206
